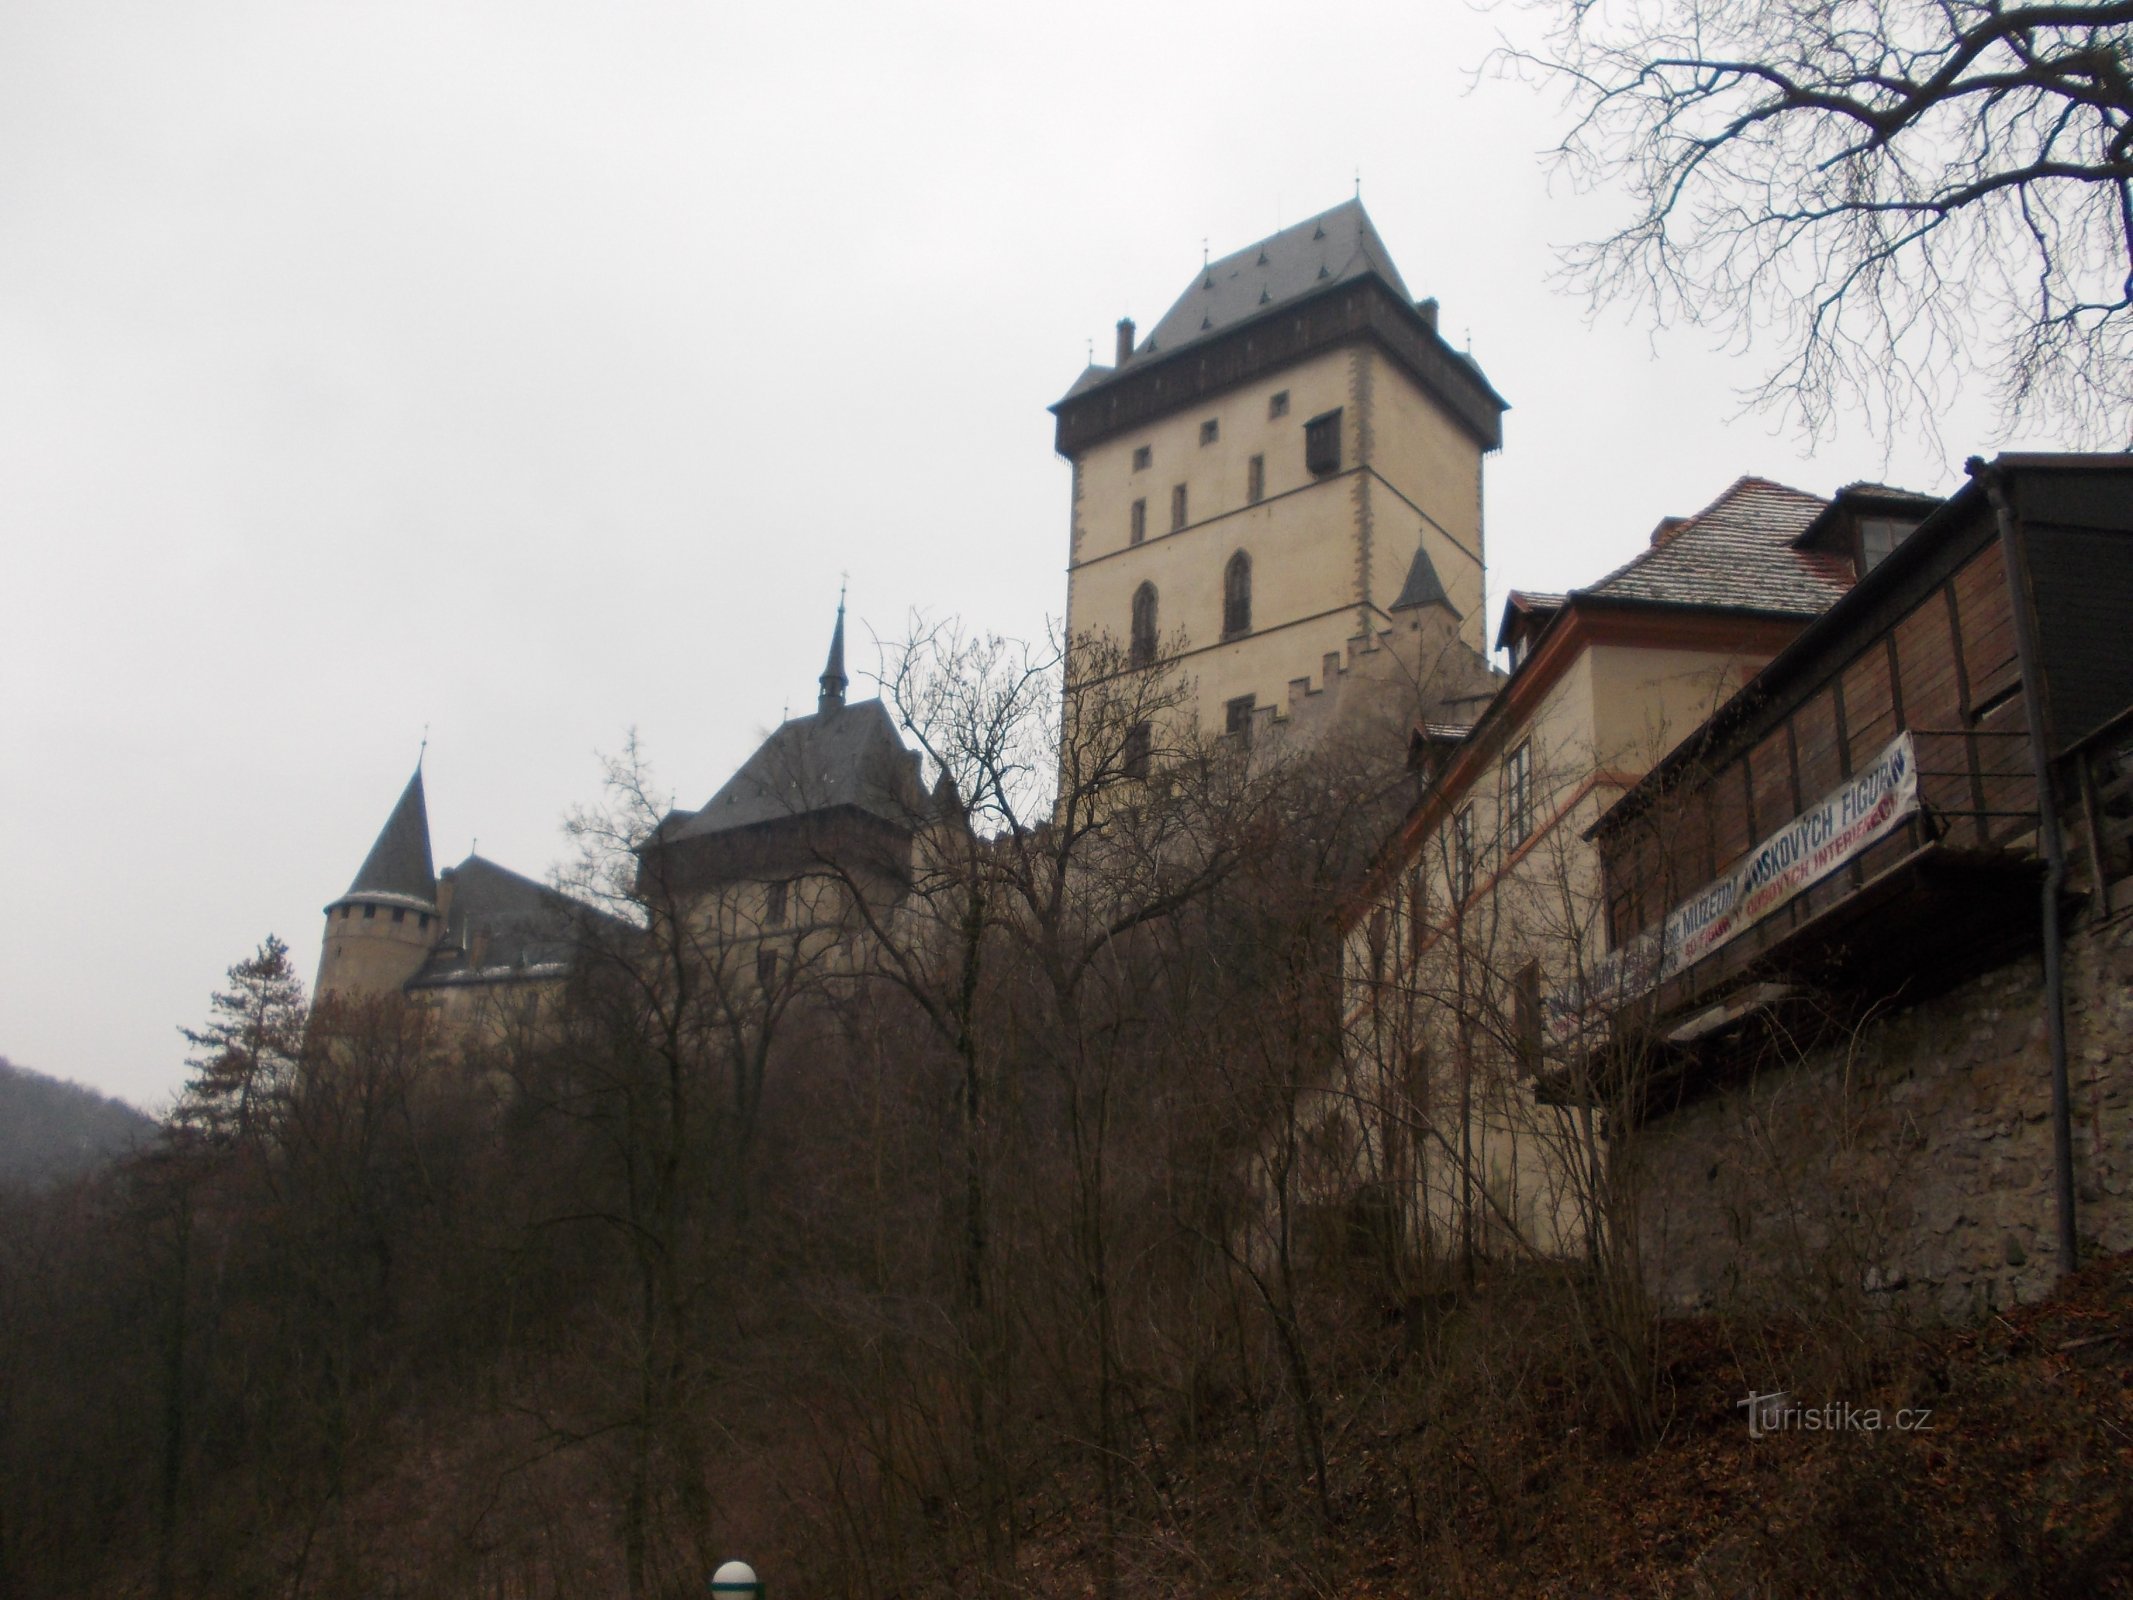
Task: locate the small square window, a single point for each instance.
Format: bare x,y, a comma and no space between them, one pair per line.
399,913
1210,430
1140,521
1322,444
1177,507
1255,480
369,913
1143,455
1238,723
1278,406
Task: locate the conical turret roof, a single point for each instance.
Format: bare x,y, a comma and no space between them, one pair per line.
399,863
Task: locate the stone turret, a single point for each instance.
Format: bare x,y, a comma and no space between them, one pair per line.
381,931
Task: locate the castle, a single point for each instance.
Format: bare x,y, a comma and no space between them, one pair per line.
1277,493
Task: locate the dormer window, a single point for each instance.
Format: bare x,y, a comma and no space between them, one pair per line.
1878,536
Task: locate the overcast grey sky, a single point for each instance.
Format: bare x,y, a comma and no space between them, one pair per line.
531,371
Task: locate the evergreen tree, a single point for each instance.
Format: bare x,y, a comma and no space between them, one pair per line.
244,1059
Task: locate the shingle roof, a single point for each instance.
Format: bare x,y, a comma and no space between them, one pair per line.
1423,587
515,922
399,863
1736,554
846,756
1328,248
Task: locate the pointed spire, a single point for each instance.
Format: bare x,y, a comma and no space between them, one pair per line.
399,863
833,678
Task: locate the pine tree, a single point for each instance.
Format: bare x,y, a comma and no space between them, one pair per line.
244,1059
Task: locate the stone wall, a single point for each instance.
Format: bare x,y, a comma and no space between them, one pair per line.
1911,1161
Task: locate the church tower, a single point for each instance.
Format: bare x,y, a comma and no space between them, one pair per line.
379,934
1258,482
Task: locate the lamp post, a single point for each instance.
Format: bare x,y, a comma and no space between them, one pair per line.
737,1578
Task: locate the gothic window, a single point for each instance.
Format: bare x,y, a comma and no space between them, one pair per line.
1142,648
1322,444
1237,596
1140,521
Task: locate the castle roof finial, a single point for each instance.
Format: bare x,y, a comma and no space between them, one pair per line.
834,681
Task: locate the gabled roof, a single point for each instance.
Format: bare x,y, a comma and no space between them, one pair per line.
1328,248
847,756
1423,587
515,922
1526,603
1738,554
399,863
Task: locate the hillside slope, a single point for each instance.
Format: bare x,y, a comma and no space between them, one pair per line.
51,1129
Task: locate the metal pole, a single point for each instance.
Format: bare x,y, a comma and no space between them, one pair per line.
2054,858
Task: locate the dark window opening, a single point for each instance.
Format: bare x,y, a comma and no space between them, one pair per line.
1239,718
1237,596
1379,931
1210,430
1177,507
774,903
369,912
1278,406
1140,740
766,968
1142,456
1526,1017
1463,855
1141,650
1140,521
1322,444
1255,480
344,913
399,913
424,920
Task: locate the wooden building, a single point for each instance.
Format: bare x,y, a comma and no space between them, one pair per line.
1864,817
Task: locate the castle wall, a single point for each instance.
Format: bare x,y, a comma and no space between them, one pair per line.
1911,1161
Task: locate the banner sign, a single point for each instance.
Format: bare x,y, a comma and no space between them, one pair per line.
1862,811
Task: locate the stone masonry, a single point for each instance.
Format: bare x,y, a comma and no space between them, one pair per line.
1911,1162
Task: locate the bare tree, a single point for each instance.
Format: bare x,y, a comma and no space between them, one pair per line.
1892,193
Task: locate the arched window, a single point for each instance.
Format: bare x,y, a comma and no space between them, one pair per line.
1237,595
1144,636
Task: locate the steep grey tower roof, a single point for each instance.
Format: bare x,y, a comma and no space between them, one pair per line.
845,756
1332,246
834,681
399,863
1423,587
